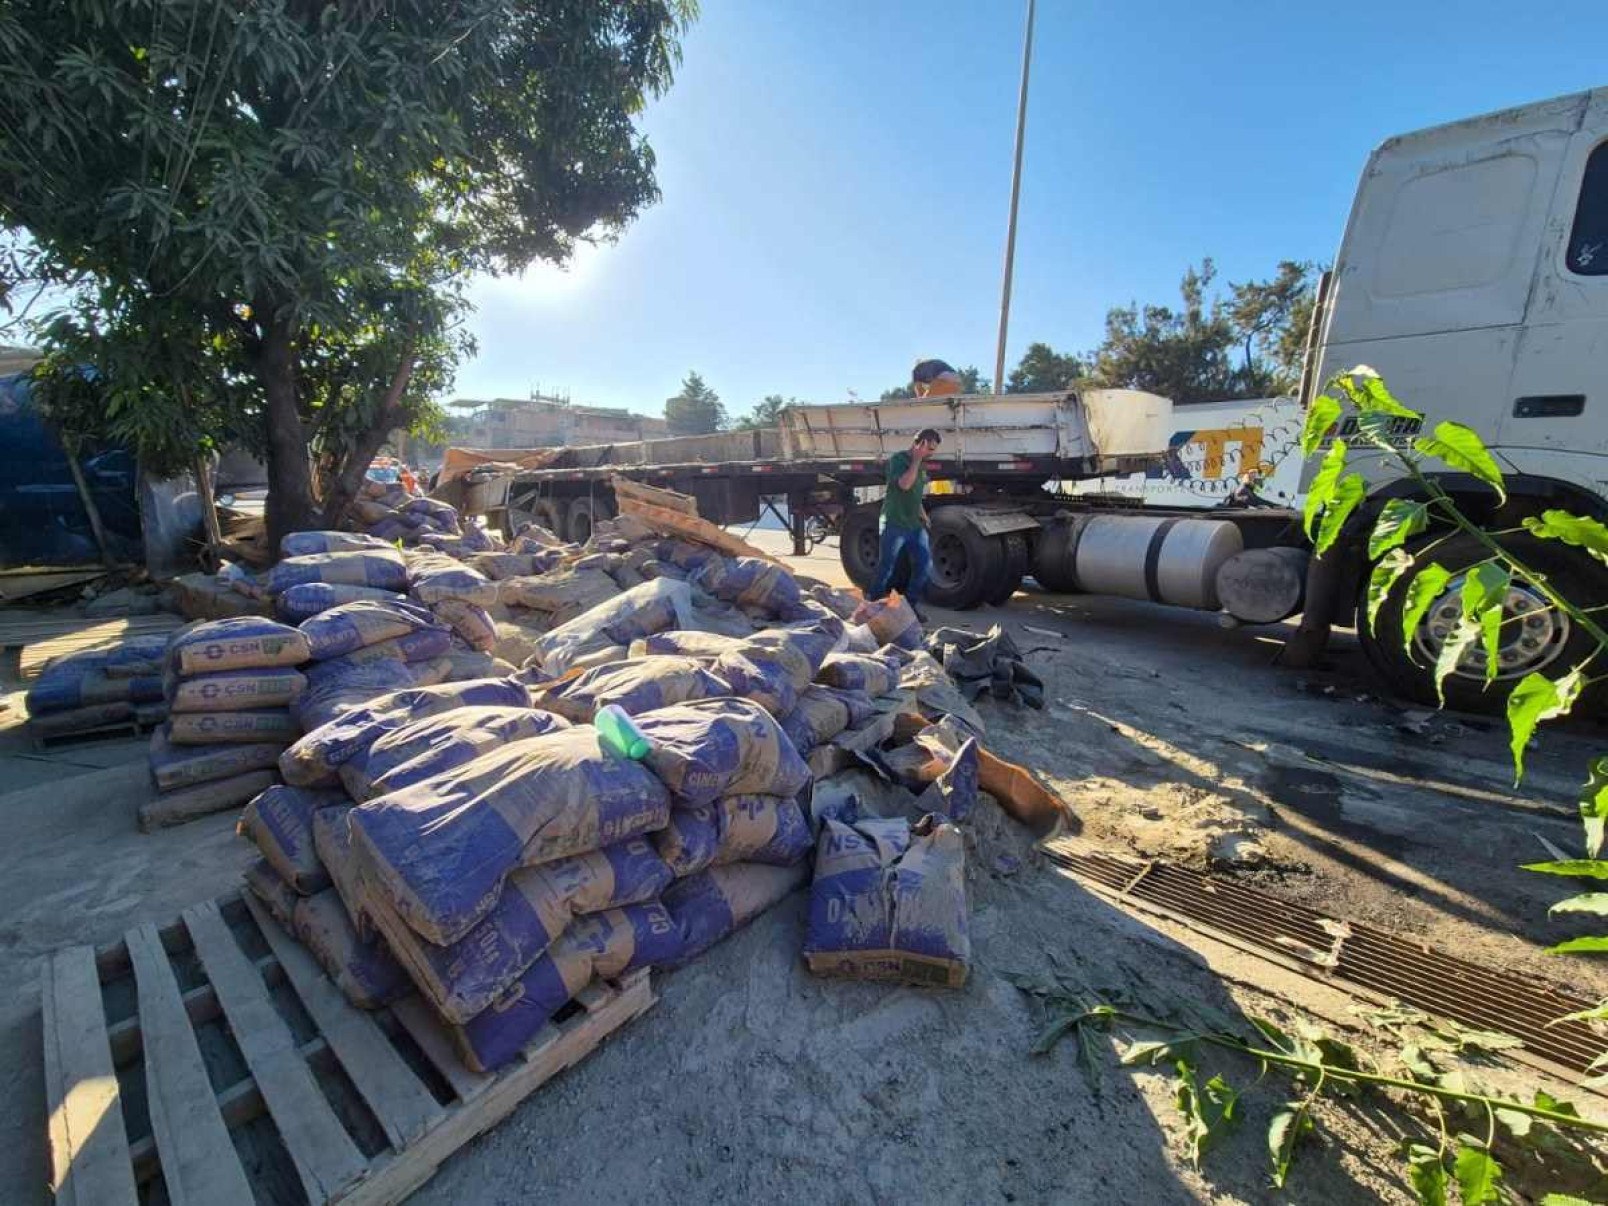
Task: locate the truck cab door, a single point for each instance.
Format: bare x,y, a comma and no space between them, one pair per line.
1556,421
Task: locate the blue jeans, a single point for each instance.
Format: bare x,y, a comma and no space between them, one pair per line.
896,541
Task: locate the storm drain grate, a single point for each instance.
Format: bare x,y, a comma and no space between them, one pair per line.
1478,997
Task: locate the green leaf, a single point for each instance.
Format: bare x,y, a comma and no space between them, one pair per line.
1594,805
1286,1129
1586,902
1452,651
1402,518
1580,946
1589,534
1321,416
1590,868
1367,391
1321,491
1487,1040
1597,1013
1546,1101
1518,1124
1209,1109
1154,1052
1423,589
1426,1172
1535,699
1383,578
1461,448
1348,495
1562,1199
1485,589
1477,1174
1413,1058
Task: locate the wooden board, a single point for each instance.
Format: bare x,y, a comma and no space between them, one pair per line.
200,1126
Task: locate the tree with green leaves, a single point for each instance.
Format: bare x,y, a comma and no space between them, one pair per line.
1181,353
1043,370
1270,320
766,413
971,377
267,211
696,410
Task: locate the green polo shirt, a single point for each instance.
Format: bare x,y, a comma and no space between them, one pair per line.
902,508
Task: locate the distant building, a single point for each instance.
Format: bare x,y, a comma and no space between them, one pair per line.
547,422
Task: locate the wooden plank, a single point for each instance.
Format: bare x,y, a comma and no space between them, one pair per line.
426,1031
323,1153
199,1164
89,1156
393,1176
201,1003
399,1099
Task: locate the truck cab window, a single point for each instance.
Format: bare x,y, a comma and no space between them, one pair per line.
1588,242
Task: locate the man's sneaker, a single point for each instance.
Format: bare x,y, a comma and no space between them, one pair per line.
921,612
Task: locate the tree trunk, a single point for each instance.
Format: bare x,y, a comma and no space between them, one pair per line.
348,478
290,506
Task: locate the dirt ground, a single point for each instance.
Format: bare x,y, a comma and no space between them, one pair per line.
752,1079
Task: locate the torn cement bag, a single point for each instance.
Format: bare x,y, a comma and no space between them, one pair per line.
773,666
860,672
302,544
704,645
240,643
279,823
988,663
718,901
331,695
237,690
633,686
464,664
442,578
501,566
721,747
303,602
605,944
558,590
686,555
536,905
953,770
333,842
734,829
352,626
438,851
382,568
366,972
639,612
889,903
315,758
216,728
840,602
278,897
473,624
438,743
930,690
175,766
891,621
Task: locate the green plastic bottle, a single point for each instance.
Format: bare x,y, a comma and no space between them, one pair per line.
617,734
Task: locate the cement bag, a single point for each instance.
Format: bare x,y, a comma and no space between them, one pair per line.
452,580
683,554
820,715
477,539
378,567
313,598
721,747
891,621
357,625
635,686
472,623
302,544
240,643
175,766
237,690
536,905
734,829
638,612
501,566
333,843
390,529
69,683
366,972
706,645
748,582
716,902
889,903
436,670
279,822
434,744
133,657
438,851
773,666
442,513
278,897
840,602
558,591
242,728
464,664
369,511
329,696
606,944
314,759
535,538
859,672
418,646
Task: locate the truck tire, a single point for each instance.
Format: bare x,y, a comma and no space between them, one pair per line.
966,565
584,513
1053,552
1536,637
550,514
859,545
1016,560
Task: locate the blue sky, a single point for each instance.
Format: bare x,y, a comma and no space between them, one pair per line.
836,175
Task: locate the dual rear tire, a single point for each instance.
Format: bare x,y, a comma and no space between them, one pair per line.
968,568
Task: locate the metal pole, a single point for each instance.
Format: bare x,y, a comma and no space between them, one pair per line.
1016,196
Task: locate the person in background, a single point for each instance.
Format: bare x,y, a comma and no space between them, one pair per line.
904,521
933,379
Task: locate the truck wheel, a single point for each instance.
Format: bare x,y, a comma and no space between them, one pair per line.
1052,558
1535,636
584,513
966,565
550,514
1015,548
860,544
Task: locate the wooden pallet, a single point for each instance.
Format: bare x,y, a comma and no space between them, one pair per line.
215,1056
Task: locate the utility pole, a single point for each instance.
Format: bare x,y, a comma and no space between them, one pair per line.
1016,196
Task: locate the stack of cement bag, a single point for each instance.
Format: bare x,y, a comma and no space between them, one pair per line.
97,688
387,512
230,687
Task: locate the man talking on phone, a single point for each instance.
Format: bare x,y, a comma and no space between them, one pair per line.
904,521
